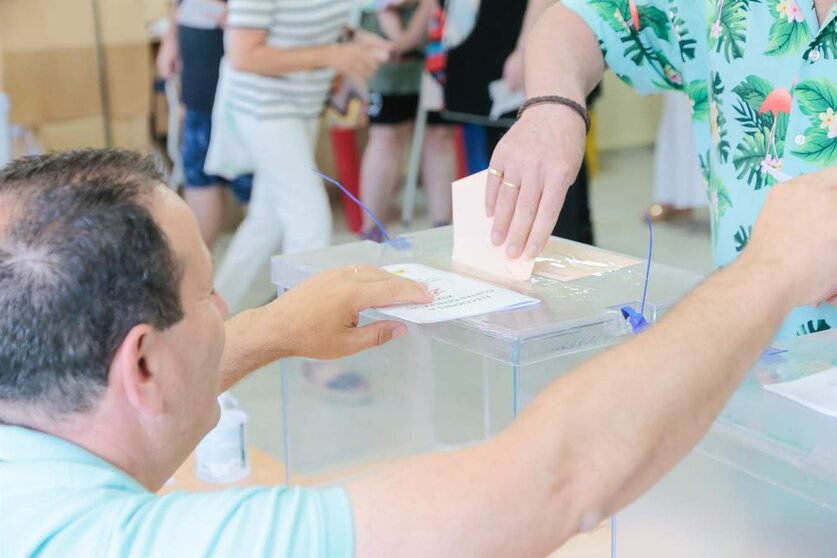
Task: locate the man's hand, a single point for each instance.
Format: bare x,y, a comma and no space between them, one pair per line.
168,59
360,58
795,236
320,316
540,157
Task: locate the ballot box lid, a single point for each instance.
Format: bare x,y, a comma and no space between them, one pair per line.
776,439
581,288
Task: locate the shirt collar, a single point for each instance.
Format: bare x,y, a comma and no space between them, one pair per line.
20,444
813,22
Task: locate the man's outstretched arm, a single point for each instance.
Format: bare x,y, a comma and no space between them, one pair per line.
317,319
599,437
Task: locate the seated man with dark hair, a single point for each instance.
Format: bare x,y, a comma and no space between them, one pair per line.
113,350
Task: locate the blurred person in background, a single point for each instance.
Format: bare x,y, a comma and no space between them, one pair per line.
283,58
763,80
393,104
192,48
679,186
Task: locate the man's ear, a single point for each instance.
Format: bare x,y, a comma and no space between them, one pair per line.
135,370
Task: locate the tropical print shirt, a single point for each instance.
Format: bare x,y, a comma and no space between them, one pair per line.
762,79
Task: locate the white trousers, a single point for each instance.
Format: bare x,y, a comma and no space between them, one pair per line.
288,212
677,177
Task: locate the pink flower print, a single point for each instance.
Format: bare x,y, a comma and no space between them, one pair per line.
772,163
828,121
716,30
673,76
796,14
789,10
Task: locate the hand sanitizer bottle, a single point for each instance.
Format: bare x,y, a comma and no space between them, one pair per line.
222,455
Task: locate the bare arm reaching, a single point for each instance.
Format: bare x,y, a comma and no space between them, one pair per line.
542,152
599,437
304,323
249,52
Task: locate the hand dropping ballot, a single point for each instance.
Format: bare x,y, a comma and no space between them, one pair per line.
456,296
472,233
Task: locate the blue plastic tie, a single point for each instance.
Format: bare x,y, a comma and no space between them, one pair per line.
399,243
637,319
772,355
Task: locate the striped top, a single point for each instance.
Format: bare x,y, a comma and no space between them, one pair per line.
290,24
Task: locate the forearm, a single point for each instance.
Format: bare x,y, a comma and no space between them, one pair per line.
251,344
269,61
171,30
416,30
588,444
619,423
534,10
563,56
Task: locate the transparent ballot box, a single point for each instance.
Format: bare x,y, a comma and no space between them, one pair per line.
449,384
762,483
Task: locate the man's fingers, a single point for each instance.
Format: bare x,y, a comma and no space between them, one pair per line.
504,210
391,291
375,335
524,215
552,200
492,186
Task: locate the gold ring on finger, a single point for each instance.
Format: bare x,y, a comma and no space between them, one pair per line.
495,172
511,185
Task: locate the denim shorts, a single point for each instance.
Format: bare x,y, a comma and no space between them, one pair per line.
197,129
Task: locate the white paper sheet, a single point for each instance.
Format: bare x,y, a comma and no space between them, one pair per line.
817,391
503,98
201,14
472,233
456,296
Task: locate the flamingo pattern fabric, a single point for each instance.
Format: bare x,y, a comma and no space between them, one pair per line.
761,76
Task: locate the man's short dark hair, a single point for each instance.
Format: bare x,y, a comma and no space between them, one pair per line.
82,262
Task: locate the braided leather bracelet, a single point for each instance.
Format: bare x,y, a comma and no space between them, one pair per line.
558,100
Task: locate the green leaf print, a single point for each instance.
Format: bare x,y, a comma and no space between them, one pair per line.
617,14
728,27
751,121
681,34
753,90
816,97
826,42
613,12
742,237
656,19
818,101
717,120
786,36
811,326
699,96
818,148
748,159
603,48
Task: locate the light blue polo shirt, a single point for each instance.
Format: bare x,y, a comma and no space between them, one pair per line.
57,499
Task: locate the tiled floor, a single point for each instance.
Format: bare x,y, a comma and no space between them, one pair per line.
620,193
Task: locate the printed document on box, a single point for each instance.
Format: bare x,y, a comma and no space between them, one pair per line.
456,296
817,391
